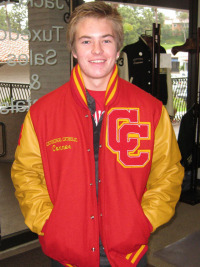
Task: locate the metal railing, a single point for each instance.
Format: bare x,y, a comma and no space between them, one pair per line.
179,90
13,92
17,91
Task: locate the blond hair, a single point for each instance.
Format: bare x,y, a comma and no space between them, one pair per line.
98,10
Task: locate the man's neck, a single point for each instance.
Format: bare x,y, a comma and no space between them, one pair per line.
96,84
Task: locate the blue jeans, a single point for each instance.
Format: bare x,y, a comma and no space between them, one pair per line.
56,263
142,262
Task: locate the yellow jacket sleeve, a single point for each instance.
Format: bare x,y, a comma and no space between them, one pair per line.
28,179
165,179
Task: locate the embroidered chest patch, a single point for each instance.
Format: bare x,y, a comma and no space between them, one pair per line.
124,136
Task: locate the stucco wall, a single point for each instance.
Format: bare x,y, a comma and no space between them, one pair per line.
16,74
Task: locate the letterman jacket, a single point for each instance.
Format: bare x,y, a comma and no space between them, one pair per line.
140,174
136,62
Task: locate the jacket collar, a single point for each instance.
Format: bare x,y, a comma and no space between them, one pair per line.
79,90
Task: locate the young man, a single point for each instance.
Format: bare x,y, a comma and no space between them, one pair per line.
97,167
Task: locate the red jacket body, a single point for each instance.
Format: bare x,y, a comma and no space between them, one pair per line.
139,173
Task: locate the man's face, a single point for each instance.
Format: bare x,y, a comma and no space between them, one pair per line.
95,50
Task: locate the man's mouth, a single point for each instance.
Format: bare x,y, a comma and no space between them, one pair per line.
97,61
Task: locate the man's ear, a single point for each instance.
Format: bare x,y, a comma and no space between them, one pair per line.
118,53
74,54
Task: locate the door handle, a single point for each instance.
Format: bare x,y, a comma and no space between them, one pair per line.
3,139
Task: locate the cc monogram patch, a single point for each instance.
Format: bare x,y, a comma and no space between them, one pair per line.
125,133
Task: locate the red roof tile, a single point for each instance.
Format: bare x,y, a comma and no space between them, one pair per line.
13,43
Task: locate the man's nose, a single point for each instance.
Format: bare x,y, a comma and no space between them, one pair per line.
97,48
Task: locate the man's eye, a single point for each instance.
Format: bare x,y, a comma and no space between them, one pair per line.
85,42
107,41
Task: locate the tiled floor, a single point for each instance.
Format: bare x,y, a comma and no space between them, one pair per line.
33,258
11,217
185,222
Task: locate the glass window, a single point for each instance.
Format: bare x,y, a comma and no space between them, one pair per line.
34,60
